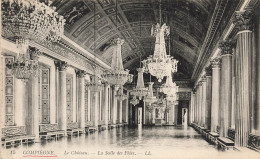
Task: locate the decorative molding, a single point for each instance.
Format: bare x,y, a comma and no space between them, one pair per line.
215,63
243,20
81,73
208,70
34,53
61,65
184,95
226,47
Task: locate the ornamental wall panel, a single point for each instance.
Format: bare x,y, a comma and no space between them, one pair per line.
9,94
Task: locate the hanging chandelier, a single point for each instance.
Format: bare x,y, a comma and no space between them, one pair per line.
160,64
25,20
169,88
121,96
149,98
134,100
149,107
139,91
117,75
95,84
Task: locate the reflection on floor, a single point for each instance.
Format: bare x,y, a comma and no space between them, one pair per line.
147,142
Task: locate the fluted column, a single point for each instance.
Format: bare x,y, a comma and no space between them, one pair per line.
34,53
193,106
106,105
197,105
81,95
200,103
208,97
120,112
62,117
243,21
114,104
203,103
127,106
95,108
225,87
215,63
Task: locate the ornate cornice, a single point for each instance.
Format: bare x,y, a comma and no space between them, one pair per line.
226,47
243,20
81,73
215,63
61,65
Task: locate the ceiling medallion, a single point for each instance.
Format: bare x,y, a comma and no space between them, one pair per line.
26,20
140,90
160,64
117,75
134,101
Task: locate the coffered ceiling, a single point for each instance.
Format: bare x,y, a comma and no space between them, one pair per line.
188,21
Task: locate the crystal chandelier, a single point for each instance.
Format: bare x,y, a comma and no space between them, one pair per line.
149,98
95,84
117,75
149,107
169,88
95,81
121,96
140,91
134,100
160,64
27,20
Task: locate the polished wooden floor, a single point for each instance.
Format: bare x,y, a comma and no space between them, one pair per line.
147,142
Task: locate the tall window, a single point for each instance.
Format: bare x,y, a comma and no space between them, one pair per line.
45,94
9,93
69,98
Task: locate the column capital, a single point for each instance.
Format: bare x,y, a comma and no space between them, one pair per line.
116,87
215,62
34,53
243,20
208,70
106,84
61,65
226,47
81,73
203,78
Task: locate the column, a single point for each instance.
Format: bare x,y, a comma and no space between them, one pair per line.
81,95
243,21
208,97
115,89
2,91
62,116
106,85
20,100
200,104
203,103
127,107
144,122
95,108
120,111
194,106
153,116
215,63
225,87
34,53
